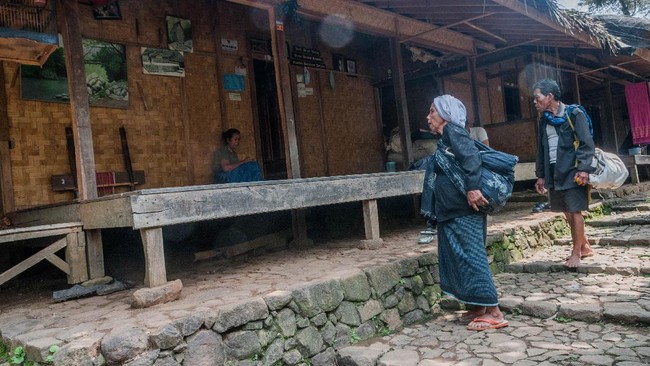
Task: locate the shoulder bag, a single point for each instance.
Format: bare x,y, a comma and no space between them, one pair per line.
610,171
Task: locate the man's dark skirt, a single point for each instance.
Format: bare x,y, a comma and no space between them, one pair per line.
571,200
464,270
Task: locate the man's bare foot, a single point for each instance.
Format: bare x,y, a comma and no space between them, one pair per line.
572,262
585,252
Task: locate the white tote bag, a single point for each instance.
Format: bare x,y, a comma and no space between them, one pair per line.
610,172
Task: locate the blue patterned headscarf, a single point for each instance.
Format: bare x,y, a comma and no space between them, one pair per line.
451,109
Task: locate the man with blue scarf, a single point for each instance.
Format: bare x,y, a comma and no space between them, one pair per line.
565,157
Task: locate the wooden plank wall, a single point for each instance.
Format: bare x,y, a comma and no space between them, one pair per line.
337,126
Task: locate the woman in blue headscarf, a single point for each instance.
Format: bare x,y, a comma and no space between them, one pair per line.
462,228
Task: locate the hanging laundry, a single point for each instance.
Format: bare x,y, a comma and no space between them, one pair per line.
638,106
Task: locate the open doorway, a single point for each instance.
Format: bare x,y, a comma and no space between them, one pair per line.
270,129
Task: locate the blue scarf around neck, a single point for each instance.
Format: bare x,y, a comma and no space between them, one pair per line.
554,120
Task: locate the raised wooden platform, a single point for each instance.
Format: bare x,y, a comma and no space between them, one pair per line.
149,210
633,162
67,235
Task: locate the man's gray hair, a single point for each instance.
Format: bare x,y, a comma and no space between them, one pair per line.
548,86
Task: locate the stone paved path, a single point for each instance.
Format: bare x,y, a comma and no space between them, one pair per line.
592,302
598,314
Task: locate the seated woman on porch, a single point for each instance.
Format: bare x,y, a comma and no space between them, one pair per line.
226,166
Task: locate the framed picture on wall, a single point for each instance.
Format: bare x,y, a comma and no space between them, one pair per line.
179,34
338,62
351,66
158,61
108,11
106,76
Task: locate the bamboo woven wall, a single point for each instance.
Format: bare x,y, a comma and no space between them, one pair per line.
171,139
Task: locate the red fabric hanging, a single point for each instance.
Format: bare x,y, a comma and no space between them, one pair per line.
638,106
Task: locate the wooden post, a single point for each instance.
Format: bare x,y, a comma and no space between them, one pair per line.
611,143
189,156
371,224
287,119
6,182
79,107
400,101
371,219
285,100
95,253
576,88
155,273
80,113
75,256
476,106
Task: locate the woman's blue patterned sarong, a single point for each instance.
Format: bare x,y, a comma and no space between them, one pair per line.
464,270
247,172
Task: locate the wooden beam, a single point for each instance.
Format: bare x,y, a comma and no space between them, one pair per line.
535,15
643,53
507,47
401,103
171,206
486,32
621,69
381,22
447,26
29,262
590,71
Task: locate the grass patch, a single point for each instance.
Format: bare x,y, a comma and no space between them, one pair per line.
562,319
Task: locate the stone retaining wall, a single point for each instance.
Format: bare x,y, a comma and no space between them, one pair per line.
303,326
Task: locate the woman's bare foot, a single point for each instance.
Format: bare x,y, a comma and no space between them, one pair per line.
488,321
469,315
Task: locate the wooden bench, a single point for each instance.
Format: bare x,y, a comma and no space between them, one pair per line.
150,210
632,162
68,235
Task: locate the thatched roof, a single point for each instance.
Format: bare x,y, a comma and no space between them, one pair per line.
632,32
579,22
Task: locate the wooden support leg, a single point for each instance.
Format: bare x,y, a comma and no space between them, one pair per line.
95,250
75,256
634,174
299,223
371,224
155,273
